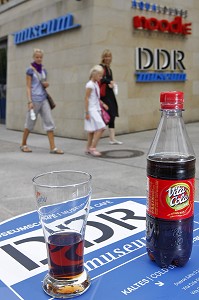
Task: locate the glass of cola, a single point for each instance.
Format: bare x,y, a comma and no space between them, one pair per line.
63,199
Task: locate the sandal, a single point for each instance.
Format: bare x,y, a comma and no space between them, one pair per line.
56,151
115,142
94,152
25,148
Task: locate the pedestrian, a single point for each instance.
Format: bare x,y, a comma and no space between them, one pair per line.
93,122
107,94
36,84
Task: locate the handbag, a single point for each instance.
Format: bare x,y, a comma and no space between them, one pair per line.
48,96
105,115
50,100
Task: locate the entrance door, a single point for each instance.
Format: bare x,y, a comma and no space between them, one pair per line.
3,71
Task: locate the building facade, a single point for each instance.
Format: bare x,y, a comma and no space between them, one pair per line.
154,45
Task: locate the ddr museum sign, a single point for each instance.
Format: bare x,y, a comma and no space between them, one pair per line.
46,28
159,60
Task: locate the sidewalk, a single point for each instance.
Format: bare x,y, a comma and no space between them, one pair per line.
117,173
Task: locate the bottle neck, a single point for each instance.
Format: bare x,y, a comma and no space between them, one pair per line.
171,140
172,112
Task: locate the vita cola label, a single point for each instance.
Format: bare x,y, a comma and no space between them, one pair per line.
170,199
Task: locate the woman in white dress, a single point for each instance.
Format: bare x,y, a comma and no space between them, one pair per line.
94,123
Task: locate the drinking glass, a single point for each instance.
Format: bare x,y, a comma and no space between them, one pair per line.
63,199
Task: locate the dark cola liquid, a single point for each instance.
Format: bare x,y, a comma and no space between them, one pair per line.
169,242
65,255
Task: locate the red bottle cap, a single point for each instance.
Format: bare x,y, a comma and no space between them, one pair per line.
172,100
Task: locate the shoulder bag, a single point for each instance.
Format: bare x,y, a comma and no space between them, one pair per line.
50,100
104,114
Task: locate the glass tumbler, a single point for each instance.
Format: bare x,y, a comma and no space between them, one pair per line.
63,199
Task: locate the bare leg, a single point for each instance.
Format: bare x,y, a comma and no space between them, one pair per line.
90,139
51,139
24,147
53,148
96,137
112,137
25,137
112,134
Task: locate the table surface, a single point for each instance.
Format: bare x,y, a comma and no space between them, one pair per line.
115,256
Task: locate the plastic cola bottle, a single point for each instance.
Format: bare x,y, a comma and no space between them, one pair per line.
170,187
32,115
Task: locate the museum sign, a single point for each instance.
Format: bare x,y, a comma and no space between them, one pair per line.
159,65
44,29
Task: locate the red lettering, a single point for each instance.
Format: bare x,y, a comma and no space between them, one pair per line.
176,25
186,29
140,22
136,22
152,24
164,25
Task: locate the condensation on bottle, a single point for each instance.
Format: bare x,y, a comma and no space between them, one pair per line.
170,187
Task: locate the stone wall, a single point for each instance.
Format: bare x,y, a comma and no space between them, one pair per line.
69,55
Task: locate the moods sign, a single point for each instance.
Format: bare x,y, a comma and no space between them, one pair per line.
152,24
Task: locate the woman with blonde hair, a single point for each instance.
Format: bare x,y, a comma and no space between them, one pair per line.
36,84
107,94
93,123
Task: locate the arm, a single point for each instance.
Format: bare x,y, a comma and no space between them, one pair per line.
105,80
109,81
105,106
45,84
28,91
88,93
